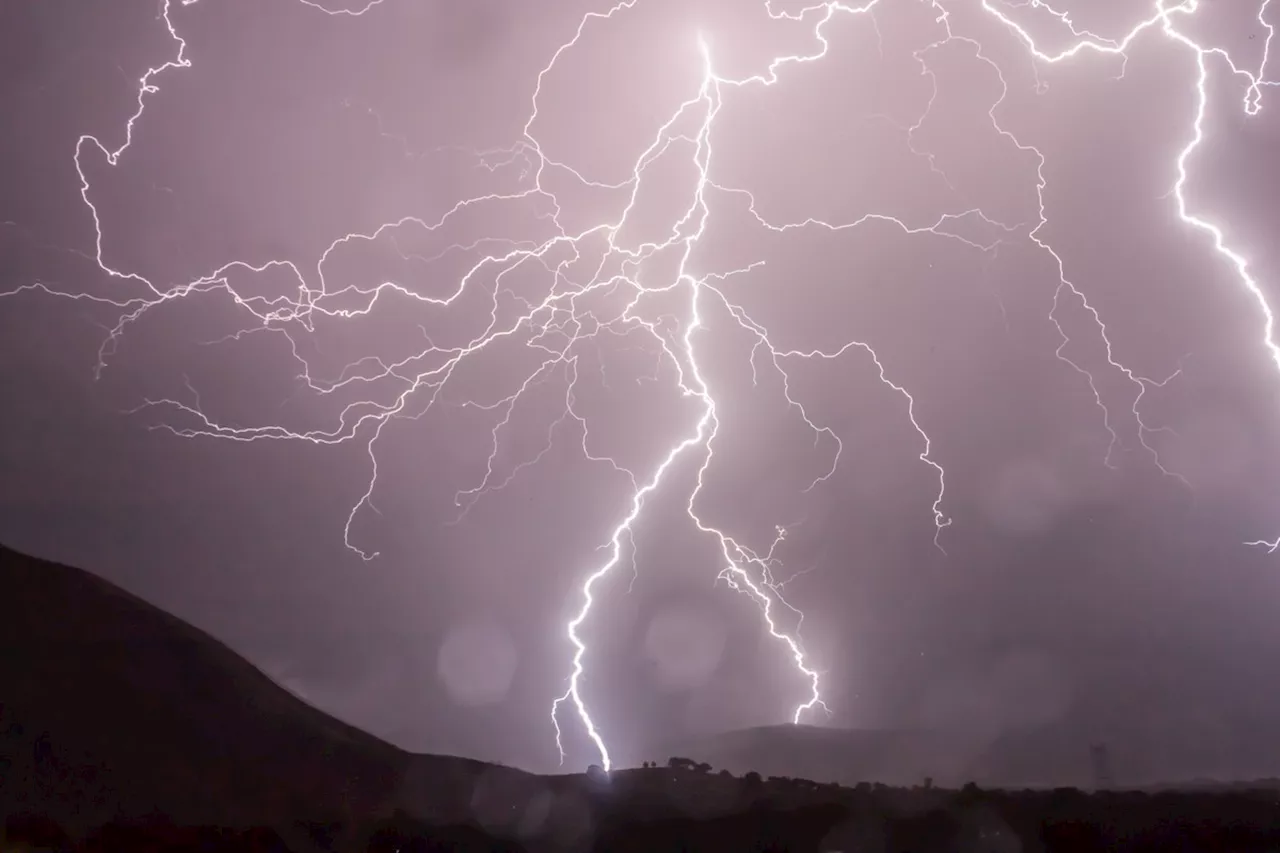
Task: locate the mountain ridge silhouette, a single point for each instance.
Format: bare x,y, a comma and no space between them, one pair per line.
112,708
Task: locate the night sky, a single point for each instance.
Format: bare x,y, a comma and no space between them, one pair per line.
204,445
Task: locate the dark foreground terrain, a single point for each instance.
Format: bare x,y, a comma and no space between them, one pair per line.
124,729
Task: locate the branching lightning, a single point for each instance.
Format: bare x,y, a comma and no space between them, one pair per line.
557,326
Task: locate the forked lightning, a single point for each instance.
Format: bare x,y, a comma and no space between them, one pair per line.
560,323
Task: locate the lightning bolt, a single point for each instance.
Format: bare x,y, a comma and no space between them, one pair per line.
576,310
1164,20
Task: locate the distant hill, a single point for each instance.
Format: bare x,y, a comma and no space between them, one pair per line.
1039,757
109,706
845,756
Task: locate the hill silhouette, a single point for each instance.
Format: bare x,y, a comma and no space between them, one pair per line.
1042,756
112,708
121,706
1033,758
124,728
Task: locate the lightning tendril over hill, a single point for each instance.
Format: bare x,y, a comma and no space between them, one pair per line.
602,288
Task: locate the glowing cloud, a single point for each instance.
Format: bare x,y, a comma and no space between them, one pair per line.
558,324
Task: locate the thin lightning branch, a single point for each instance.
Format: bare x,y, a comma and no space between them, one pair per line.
559,326
1162,20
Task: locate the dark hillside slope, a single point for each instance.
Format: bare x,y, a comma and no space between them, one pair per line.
109,706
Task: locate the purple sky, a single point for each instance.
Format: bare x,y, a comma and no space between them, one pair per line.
1079,584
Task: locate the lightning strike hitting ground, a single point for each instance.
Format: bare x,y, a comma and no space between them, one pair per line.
557,326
